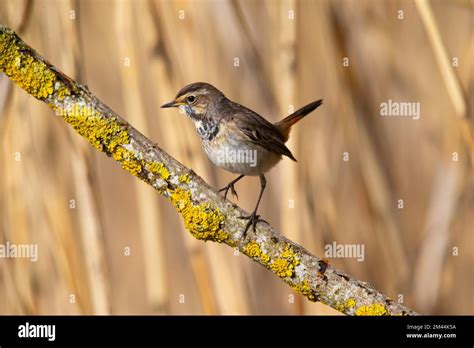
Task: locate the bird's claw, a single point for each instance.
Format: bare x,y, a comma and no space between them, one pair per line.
226,190
253,220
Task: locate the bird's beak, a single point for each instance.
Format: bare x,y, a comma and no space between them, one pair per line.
170,104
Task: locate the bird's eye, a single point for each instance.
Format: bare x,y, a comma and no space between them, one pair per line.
191,99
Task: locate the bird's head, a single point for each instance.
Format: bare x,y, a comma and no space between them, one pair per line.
196,98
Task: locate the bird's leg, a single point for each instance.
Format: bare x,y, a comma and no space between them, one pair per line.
230,186
254,218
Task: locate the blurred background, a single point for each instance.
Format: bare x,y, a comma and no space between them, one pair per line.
401,187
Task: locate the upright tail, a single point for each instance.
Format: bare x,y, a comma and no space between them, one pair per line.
285,125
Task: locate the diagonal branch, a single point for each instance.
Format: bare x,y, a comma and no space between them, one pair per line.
206,215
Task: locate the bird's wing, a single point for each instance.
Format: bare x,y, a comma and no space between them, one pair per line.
259,131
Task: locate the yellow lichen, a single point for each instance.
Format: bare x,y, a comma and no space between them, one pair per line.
105,134
202,220
253,250
132,166
158,169
346,306
118,139
350,303
340,307
62,92
232,243
120,154
128,160
31,74
264,258
373,309
289,254
184,179
284,265
304,289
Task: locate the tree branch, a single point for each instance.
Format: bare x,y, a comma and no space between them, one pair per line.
206,214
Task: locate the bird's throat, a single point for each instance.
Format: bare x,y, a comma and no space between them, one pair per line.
206,127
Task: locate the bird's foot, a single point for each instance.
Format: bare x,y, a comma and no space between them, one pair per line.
253,220
229,186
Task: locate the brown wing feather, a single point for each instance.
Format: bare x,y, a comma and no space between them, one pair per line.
259,131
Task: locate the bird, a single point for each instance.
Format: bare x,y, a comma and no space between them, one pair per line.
235,138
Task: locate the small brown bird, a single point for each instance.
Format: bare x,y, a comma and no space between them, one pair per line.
236,138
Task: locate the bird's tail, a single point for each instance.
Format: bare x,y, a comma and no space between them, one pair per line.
285,125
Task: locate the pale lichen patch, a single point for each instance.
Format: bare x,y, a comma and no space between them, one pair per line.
300,270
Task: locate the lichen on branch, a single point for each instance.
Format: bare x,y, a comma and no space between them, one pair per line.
207,216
